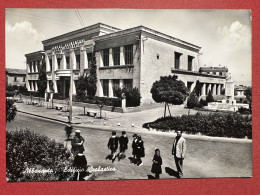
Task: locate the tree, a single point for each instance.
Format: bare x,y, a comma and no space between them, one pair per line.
248,94
92,78
11,110
192,100
210,97
197,88
42,83
169,90
81,86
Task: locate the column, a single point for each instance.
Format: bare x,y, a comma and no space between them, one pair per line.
214,89
47,63
63,62
110,88
36,85
99,58
55,86
85,58
121,83
209,88
111,61
100,88
48,86
74,88
192,86
122,56
203,92
73,59
219,91
36,68
32,86
33,67
54,62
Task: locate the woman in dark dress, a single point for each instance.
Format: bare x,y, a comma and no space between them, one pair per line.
140,150
157,164
80,164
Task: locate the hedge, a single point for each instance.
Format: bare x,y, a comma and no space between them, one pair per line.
212,124
26,149
115,102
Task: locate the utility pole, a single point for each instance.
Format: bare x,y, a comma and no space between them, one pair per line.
71,87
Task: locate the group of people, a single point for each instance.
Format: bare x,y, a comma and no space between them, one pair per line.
138,151
137,146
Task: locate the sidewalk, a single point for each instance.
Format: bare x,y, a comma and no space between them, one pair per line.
130,122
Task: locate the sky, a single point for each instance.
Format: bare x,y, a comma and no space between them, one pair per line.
224,35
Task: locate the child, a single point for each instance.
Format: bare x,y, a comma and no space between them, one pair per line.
80,163
134,147
123,141
139,150
113,144
157,163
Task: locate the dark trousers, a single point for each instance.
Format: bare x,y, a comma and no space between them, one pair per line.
179,163
157,176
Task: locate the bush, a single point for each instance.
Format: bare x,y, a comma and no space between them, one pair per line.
214,124
57,96
9,94
11,110
133,96
26,149
243,110
192,100
115,102
203,103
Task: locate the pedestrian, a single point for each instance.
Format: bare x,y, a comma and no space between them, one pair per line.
178,150
157,164
113,144
140,150
77,143
80,164
68,129
134,147
123,141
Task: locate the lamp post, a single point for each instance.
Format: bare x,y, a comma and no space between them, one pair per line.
71,84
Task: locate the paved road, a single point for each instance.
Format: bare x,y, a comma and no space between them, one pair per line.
203,158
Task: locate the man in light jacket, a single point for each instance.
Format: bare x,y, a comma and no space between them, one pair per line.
178,150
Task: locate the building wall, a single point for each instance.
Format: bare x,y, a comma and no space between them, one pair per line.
152,67
19,79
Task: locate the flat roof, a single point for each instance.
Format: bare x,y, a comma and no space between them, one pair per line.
81,30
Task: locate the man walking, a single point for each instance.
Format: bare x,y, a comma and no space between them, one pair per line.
77,143
178,150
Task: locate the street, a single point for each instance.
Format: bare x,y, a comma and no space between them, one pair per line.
204,159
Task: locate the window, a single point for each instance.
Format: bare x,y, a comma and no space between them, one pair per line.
106,57
128,83
105,87
38,65
67,62
220,73
116,55
59,62
34,66
77,61
23,79
15,79
30,67
177,57
50,61
89,55
190,62
116,85
128,54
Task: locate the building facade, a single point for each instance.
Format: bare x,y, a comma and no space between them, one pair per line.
134,57
33,62
15,76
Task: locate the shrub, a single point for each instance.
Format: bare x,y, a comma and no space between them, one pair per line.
214,124
210,97
203,103
192,100
133,96
26,149
9,93
57,96
243,110
115,102
11,110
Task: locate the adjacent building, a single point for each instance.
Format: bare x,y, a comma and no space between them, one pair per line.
134,57
15,76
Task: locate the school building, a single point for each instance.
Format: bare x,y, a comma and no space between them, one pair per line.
134,57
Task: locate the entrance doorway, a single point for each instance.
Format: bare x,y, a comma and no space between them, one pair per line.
64,87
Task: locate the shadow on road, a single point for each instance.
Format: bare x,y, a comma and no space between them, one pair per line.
171,172
150,177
